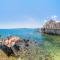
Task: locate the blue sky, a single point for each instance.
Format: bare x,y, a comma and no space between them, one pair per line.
27,13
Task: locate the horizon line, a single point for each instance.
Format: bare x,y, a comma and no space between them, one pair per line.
22,28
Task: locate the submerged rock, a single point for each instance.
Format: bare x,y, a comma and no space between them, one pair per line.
14,44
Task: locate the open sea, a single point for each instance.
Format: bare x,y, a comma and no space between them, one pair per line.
23,33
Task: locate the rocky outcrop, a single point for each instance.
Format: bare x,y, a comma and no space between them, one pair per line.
13,45
51,27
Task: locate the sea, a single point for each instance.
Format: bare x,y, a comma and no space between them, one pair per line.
23,33
51,43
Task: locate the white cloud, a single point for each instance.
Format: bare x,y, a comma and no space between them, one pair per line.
54,17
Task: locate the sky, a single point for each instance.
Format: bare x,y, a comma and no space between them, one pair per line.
28,13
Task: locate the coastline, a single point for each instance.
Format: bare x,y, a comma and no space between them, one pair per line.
51,31
49,47
51,27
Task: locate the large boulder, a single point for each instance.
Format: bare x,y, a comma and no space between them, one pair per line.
12,40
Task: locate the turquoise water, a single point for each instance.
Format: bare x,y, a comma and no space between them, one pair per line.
30,34
50,43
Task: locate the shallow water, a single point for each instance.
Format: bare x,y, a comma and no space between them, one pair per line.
48,45
52,45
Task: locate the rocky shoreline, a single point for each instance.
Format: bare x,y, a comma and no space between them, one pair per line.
14,45
51,27
51,31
